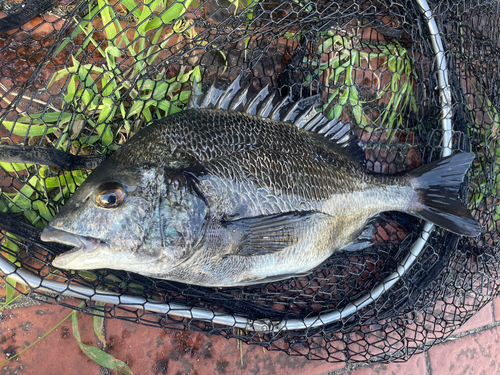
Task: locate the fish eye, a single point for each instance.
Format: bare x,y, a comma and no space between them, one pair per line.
110,195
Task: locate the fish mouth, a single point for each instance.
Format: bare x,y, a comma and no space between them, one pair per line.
51,234
85,247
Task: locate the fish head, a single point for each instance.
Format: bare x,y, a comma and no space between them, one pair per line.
140,219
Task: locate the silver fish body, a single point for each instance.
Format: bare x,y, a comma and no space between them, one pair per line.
217,197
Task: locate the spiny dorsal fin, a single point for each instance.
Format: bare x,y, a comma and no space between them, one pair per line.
195,97
228,95
210,98
302,113
251,107
343,136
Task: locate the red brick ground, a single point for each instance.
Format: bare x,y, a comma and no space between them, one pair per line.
471,350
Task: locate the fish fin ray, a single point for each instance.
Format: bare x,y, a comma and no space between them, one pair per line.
211,97
275,113
437,185
239,100
195,96
251,106
228,95
273,278
342,136
269,234
365,238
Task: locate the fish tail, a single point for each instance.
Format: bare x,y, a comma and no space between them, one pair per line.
437,186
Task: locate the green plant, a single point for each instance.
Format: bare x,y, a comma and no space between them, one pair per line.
399,90
97,355
485,181
96,99
343,59
346,56
95,92
248,10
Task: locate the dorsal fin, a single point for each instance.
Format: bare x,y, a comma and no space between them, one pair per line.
228,95
275,113
302,113
195,96
211,97
344,137
239,99
251,107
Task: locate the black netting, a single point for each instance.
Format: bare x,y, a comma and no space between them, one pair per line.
85,76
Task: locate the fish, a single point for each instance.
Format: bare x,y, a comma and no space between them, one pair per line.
243,189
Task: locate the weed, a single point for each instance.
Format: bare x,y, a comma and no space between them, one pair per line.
485,181
346,56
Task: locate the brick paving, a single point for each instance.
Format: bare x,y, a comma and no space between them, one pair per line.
472,349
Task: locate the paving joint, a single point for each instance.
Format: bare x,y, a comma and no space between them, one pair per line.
427,362
457,336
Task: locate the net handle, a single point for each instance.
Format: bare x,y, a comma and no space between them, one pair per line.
266,325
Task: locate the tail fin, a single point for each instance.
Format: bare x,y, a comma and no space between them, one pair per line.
437,185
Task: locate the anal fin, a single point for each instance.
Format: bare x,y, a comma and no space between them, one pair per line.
365,238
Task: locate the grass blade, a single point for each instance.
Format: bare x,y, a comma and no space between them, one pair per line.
97,355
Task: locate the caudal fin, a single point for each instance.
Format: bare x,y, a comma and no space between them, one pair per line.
437,185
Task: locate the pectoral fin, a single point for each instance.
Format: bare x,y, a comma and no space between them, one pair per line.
268,234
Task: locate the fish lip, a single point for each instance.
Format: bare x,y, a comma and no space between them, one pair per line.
83,246
51,234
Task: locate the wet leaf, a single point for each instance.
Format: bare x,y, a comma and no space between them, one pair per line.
99,324
97,355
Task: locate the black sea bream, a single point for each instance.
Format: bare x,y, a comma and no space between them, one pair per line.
233,191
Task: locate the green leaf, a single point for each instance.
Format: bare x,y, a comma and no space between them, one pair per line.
325,45
38,118
358,112
153,24
99,324
353,96
43,209
10,283
140,107
196,74
343,98
108,110
147,9
32,216
175,11
391,63
132,7
113,51
27,130
97,355
14,167
107,16
337,110
164,105
71,89
10,290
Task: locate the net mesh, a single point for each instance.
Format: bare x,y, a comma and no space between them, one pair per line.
85,76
